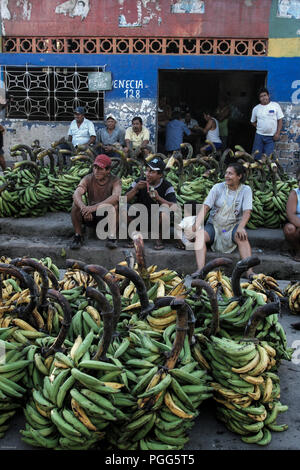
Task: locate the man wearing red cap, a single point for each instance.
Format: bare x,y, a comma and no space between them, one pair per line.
103,190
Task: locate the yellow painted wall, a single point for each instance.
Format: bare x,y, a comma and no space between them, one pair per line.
284,47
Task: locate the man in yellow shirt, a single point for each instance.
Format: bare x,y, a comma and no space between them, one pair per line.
136,136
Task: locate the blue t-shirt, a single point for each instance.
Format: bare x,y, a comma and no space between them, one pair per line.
174,134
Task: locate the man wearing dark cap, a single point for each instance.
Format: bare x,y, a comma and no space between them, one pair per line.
103,191
81,130
151,191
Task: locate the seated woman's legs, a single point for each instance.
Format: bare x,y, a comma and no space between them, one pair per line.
292,235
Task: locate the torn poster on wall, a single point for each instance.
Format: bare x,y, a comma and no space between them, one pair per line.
288,9
5,13
188,6
74,8
145,12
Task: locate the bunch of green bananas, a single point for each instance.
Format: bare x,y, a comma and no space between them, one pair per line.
197,190
12,370
246,387
126,183
64,186
269,205
292,291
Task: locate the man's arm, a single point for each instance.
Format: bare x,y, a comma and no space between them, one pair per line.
92,140
135,189
276,136
207,127
77,197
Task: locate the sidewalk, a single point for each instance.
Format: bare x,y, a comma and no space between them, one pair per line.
50,235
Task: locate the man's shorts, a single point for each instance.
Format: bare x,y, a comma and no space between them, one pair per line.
94,222
209,228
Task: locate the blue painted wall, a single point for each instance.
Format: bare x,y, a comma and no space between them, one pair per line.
136,77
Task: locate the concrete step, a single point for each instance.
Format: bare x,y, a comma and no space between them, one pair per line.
58,224
94,251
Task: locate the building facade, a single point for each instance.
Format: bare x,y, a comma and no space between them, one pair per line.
193,53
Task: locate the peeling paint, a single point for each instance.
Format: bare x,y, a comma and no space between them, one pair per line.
5,14
146,11
27,7
74,8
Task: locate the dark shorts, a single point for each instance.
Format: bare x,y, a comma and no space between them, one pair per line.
94,222
209,228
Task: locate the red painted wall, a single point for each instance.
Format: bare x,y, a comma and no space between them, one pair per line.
222,18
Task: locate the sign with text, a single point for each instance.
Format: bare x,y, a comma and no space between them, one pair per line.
100,81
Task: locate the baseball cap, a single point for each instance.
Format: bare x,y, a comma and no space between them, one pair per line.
111,116
102,160
79,110
156,164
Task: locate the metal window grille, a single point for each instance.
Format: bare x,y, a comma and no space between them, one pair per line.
51,93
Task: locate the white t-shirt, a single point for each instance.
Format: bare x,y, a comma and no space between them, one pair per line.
216,198
81,135
266,117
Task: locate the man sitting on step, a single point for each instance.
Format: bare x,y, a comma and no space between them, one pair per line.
103,191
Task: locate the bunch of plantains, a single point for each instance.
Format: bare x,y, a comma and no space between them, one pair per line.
125,358
292,291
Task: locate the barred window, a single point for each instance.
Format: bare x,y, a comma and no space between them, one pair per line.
51,93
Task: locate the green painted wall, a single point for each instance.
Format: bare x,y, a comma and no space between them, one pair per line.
284,27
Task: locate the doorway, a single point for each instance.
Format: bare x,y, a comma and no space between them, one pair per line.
201,90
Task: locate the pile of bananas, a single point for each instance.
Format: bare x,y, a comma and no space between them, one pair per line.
292,291
195,190
246,387
269,205
125,358
263,283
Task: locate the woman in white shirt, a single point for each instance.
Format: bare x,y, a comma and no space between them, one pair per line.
230,205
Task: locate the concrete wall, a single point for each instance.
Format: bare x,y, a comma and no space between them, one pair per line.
230,18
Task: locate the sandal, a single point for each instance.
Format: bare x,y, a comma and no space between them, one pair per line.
158,245
180,246
296,258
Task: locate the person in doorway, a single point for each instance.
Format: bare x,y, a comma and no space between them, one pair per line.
81,130
267,119
223,115
110,136
136,136
291,230
229,205
155,189
103,190
175,130
211,131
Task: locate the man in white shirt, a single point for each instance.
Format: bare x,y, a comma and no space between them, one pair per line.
267,119
81,130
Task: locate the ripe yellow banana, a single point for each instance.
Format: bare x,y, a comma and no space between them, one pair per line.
23,324
253,363
174,408
81,415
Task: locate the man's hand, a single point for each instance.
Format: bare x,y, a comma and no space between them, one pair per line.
87,211
154,195
88,217
141,185
276,137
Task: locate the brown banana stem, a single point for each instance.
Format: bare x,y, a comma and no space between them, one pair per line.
40,268
240,267
138,241
27,282
107,315
56,346
146,307
181,330
211,265
215,324
260,314
107,277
